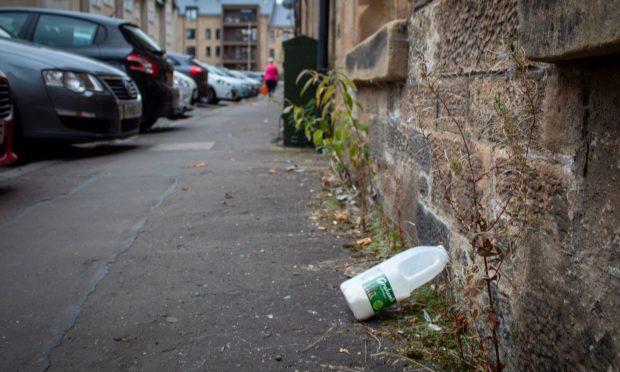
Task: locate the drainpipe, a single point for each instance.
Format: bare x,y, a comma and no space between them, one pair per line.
323,43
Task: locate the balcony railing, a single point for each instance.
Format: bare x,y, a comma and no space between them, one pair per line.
239,57
233,21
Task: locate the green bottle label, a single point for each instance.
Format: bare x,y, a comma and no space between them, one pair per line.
379,292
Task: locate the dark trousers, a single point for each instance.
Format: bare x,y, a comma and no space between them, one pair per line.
271,85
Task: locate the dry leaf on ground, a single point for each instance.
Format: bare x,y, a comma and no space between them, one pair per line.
322,228
200,164
364,242
344,350
328,181
272,171
341,216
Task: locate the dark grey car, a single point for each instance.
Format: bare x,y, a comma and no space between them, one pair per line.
65,97
114,41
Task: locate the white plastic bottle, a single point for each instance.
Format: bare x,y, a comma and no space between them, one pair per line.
392,280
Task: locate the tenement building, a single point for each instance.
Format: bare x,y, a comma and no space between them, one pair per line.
239,34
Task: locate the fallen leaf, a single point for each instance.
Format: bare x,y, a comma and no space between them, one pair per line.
291,168
364,242
228,195
411,319
200,164
184,188
328,181
272,171
341,216
322,228
344,350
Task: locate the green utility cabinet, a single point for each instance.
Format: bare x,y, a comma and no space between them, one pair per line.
300,53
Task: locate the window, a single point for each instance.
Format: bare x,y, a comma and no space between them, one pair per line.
12,22
137,37
285,36
217,51
272,53
151,14
208,51
217,34
191,14
191,51
128,5
95,3
108,2
208,33
272,36
190,33
58,31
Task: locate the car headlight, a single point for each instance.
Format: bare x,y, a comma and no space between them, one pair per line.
77,82
183,83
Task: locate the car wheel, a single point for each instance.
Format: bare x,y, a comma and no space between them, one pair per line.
146,124
212,97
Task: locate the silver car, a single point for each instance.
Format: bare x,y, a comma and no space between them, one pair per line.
188,92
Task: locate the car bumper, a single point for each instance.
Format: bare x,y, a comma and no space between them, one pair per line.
157,97
229,94
82,117
203,90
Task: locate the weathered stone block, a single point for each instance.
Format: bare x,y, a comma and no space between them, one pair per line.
429,229
569,29
459,37
382,56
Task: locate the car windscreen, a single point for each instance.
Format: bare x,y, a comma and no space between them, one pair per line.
138,38
5,33
223,72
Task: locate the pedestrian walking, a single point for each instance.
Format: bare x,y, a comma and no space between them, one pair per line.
271,77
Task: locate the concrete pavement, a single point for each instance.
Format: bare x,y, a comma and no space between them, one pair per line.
192,255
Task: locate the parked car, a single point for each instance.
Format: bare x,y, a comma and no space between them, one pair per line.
244,89
7,156
223,87
188,93
59,96
111,40
190,66
254,84
254,75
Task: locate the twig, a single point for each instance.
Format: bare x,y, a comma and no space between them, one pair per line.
318,339
400,357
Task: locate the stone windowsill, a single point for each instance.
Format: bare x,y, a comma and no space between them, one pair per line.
382,57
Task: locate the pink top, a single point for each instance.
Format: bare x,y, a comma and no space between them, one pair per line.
271,72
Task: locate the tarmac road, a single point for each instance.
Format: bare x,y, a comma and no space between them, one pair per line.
177,250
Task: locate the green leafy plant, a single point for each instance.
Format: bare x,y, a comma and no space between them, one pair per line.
330,122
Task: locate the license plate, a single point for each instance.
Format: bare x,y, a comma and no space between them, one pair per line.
132,110
1,131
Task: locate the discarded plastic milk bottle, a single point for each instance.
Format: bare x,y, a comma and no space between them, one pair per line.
392,280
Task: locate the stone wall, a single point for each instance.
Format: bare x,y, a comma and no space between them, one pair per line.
560,287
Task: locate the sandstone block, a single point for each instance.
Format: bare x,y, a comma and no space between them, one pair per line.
564,30
382,56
